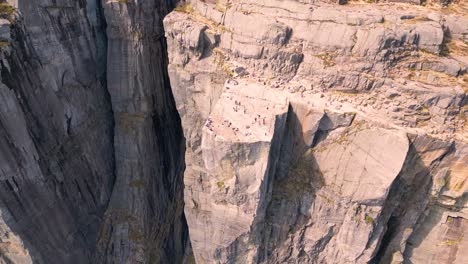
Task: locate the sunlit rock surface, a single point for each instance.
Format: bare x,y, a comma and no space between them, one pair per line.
233,131
322,133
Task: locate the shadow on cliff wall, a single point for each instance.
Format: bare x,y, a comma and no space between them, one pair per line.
440,222
57,209
60,178
409,203
296,180
299,177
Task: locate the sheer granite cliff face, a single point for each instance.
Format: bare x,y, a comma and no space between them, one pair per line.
322,133
317,131
146,208
91,148
57,162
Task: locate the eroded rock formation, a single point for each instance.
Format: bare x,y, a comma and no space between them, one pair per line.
91,148
322,133
316,131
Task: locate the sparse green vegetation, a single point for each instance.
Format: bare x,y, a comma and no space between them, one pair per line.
184,8
222,7
228,70
137,184
220,61
345,93
213,25
458,185
6,9
4,44
220,184
449,242
369,220
327,59
327,199
439,78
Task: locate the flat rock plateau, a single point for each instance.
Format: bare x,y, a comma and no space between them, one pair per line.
233,131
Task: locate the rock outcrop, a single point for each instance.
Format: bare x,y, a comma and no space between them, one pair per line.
91,148
322,133
233,131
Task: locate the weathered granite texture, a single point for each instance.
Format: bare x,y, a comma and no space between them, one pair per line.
146,207
56,154
91,147
321,133
317,131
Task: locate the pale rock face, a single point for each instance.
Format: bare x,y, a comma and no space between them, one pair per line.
316,131
319,133
11,246
237,151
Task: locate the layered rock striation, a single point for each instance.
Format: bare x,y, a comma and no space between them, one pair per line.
321,133
146,207
91,148
57,158
280,131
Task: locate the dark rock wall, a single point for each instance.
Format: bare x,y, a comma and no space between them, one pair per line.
91,148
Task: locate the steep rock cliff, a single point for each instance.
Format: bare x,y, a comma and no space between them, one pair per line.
316,131
91,148
146,208
321,133
57,157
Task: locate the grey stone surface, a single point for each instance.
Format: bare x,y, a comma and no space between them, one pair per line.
296,131
336,144
56,151
146,208
91,149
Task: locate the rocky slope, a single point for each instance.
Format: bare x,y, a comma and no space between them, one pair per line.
322,133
